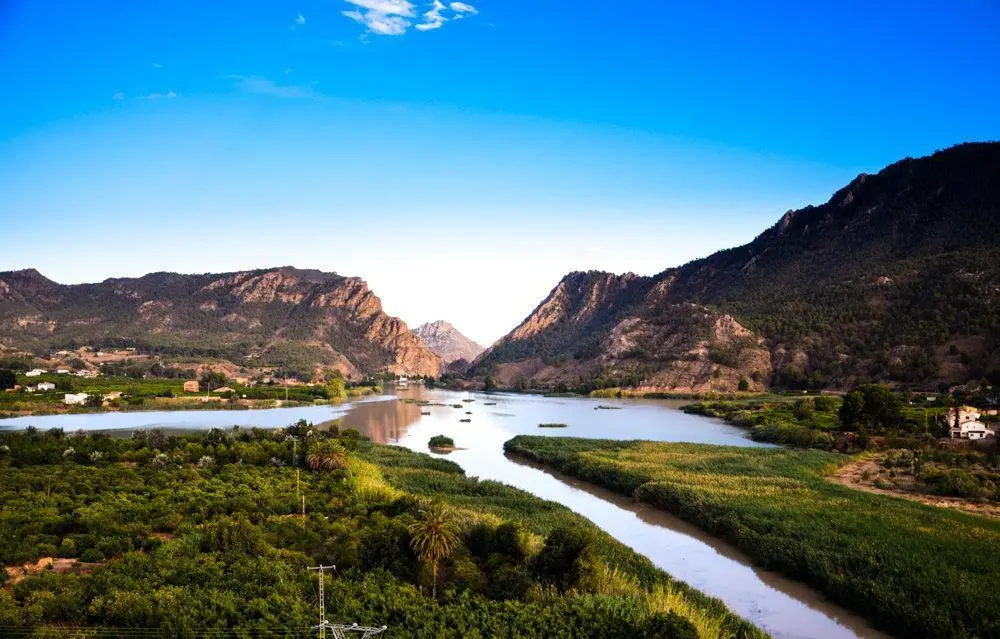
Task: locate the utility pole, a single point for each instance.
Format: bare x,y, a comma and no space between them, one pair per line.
295,462
322,598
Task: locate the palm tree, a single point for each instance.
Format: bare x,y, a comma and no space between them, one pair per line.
326,454
435,535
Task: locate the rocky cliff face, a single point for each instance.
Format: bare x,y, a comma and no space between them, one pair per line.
621,330
446,342
896,277
285,317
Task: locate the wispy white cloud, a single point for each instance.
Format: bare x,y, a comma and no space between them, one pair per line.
386,7
264,86
394,17
118,96
157,65
159,96
433,18
300,19
288,71
379,23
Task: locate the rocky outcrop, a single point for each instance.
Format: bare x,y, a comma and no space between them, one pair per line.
887,280
285,317
446,342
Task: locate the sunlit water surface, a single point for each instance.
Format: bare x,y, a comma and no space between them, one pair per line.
784,608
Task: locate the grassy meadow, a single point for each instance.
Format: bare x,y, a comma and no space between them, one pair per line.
914,570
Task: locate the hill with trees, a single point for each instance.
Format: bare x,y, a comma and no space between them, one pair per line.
896,277
291,318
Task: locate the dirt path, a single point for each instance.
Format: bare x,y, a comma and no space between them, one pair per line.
852,476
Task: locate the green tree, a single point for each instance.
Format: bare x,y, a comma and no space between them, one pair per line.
433,536
326,454
565,558
871,409
7,378
211,379
336,389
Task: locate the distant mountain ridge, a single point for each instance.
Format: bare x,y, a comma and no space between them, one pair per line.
896,277
445,341
284,317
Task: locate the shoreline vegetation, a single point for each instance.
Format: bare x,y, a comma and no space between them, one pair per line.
441,444
912,569
219,540
109,394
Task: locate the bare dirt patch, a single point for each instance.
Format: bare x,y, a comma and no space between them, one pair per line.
58,565
864,473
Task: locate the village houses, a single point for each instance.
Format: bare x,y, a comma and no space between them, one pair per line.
963,423
71,399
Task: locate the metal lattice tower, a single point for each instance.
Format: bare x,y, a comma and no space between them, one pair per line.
322,599
338,631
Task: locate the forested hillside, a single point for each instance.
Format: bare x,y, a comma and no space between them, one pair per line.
293,318
896,277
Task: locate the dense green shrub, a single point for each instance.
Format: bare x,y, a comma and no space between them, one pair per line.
184,549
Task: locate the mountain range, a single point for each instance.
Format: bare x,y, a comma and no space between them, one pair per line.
446,342
300,321
896,277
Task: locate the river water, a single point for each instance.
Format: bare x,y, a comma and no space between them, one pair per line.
784,608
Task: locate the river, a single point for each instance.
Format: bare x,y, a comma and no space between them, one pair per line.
784,608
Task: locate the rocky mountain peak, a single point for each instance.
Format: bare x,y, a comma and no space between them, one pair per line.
447,342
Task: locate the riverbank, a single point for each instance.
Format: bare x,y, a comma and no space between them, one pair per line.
221,522
912,569
157,395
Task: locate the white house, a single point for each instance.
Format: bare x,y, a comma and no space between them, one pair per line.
46,386
35,372
963,423
63,371
78,398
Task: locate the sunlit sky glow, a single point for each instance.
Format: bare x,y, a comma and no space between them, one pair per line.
461,157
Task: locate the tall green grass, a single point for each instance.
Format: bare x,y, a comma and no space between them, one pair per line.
914,570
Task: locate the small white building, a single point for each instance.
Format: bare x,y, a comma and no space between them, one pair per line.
63,371
71,399
963,423
46,386
35,372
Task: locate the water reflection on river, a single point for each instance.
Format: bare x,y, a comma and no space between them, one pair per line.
782,607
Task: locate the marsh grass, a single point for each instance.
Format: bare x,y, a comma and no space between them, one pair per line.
913,569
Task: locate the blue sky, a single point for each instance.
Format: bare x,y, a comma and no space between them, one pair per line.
459,156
